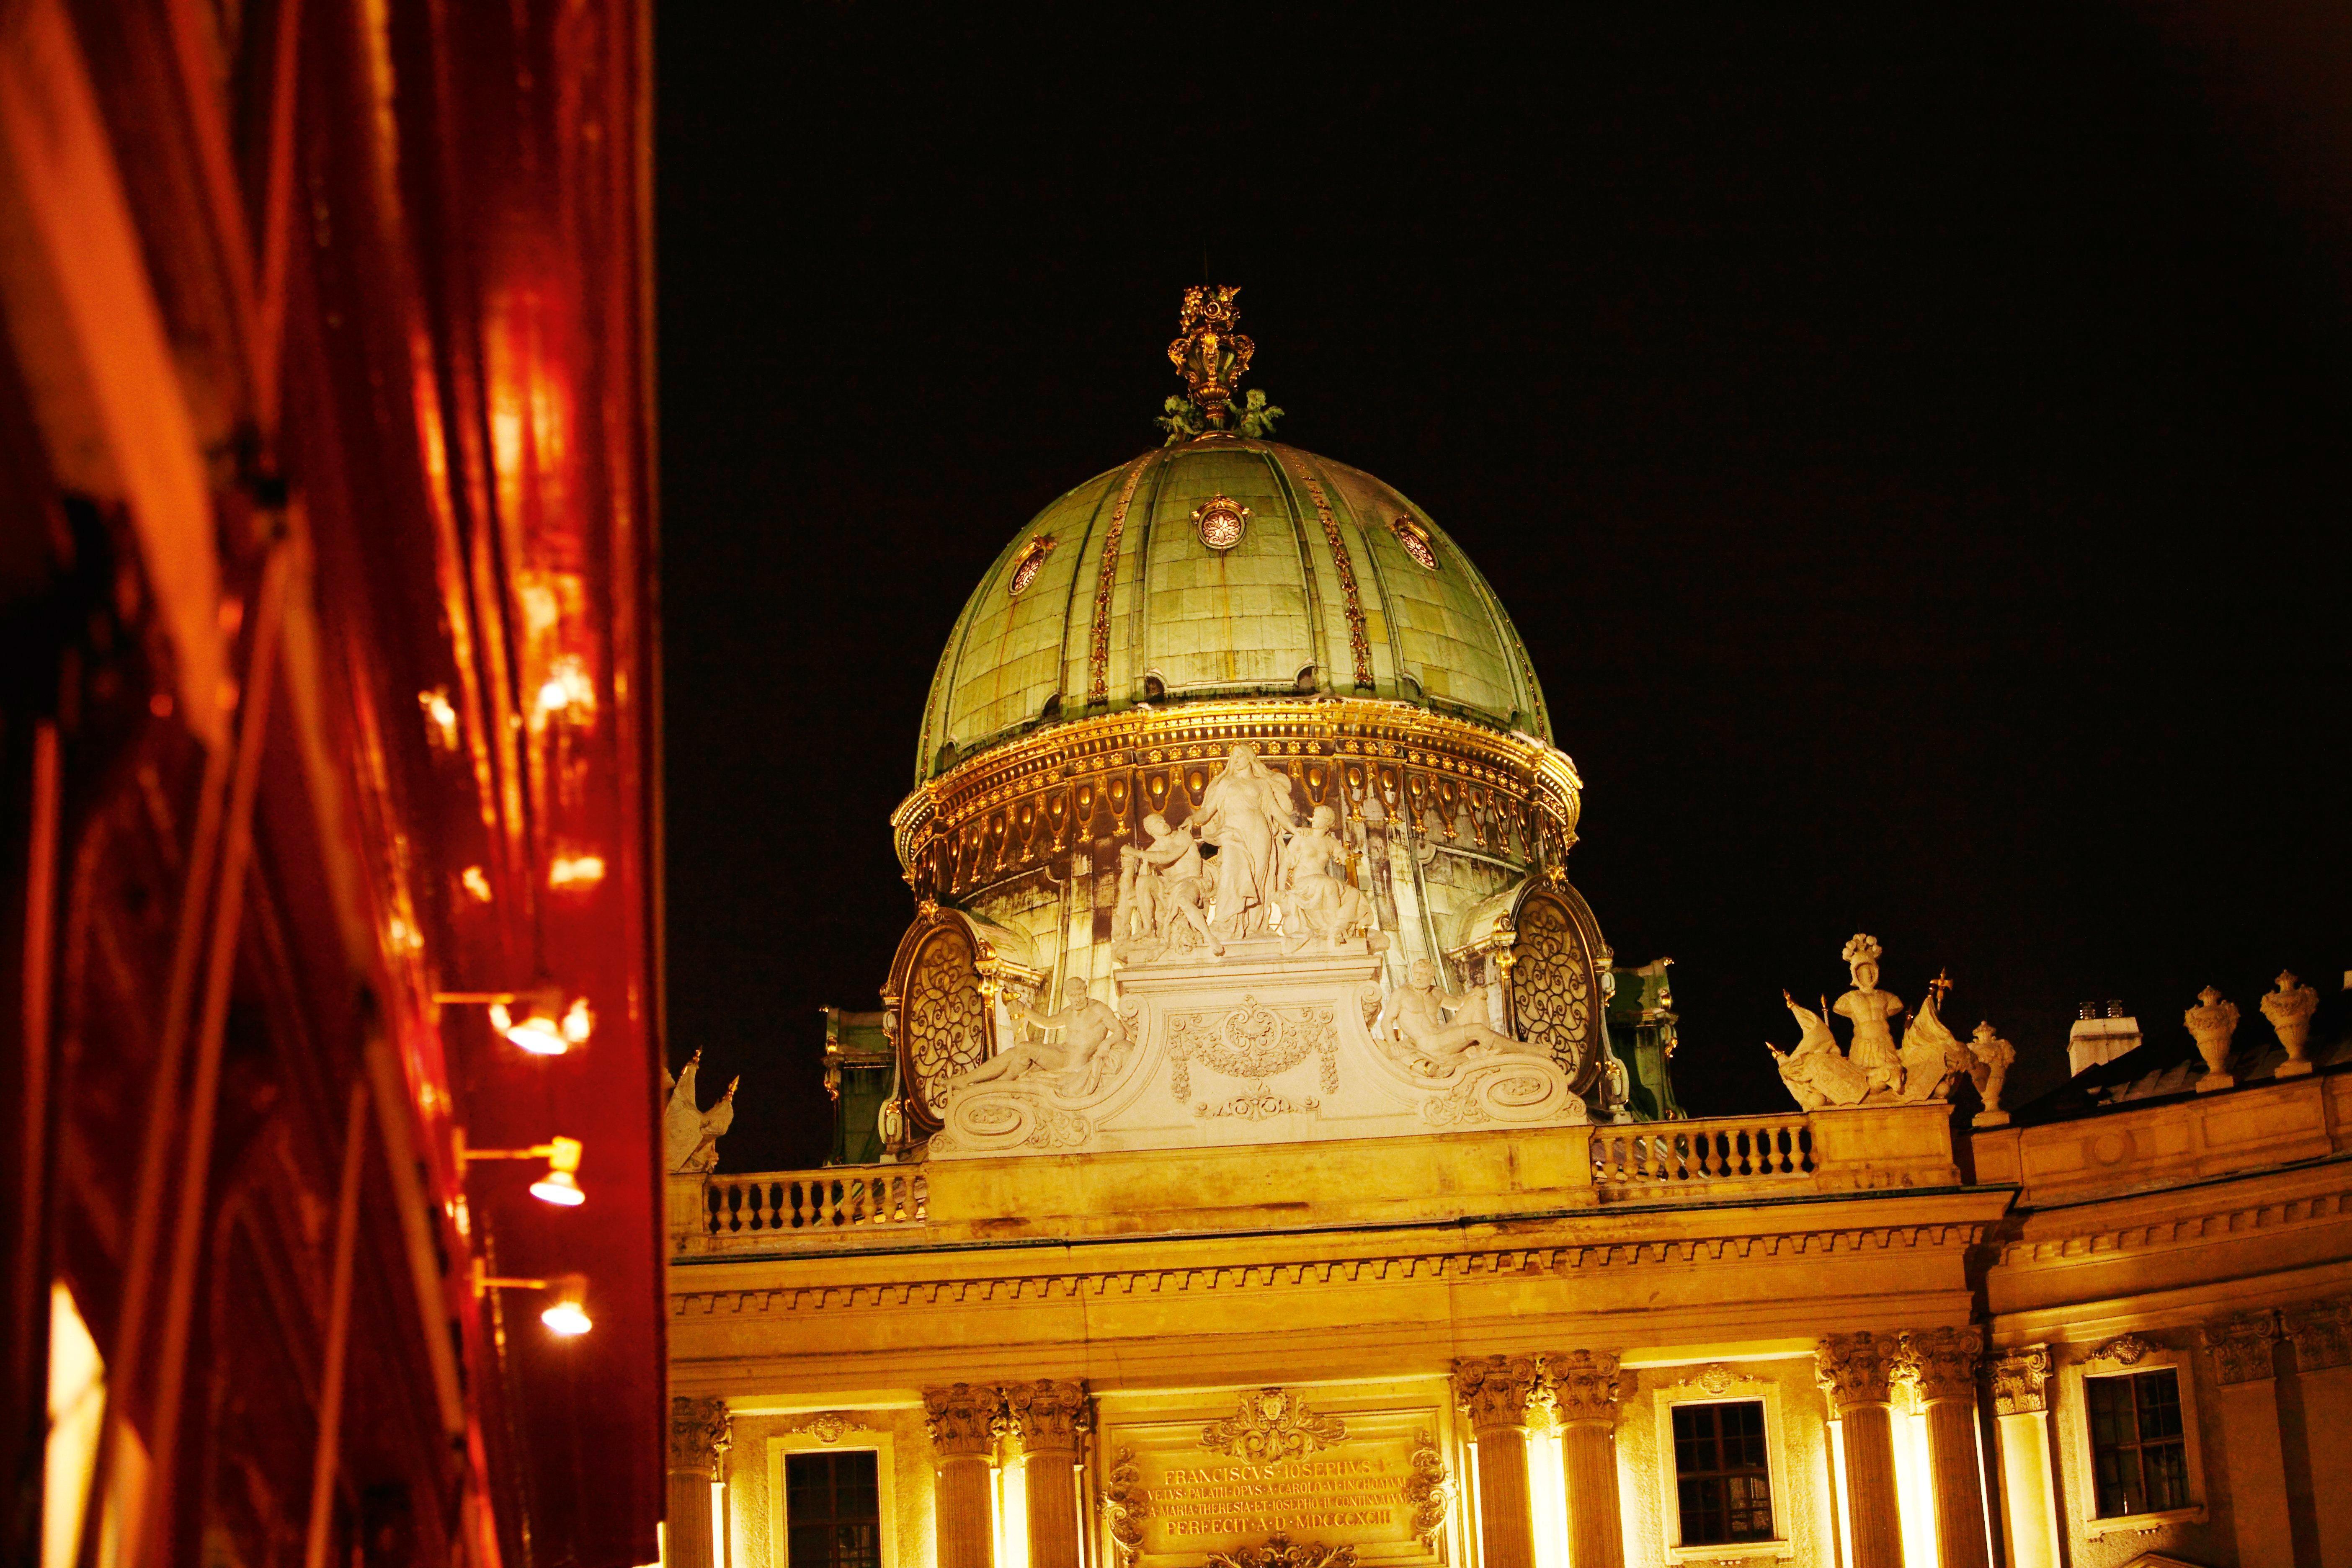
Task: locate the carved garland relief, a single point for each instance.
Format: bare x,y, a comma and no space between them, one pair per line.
1253,1042
1272,1423
946,1017
1551,984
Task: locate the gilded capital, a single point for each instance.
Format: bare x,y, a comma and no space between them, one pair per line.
2021,1382
1586,1384
1495,1389
1854,1369
2322,1332
962,1418
2240,1346
1049,1414
1942,1362
699,1434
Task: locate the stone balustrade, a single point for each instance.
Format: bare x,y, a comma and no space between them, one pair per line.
764,1212
1651,1155
1502,1172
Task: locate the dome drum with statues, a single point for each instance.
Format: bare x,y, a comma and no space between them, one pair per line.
1227,608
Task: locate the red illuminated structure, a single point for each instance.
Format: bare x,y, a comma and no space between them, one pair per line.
330,697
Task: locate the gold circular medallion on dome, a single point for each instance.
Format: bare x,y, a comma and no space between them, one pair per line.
1219,521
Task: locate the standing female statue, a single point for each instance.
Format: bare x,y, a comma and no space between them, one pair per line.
1245,814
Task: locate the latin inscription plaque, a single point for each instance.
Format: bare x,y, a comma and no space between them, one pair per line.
1363,1467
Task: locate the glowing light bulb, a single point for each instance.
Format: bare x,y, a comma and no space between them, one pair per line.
538,1034
560,1185
567,1312
566,1317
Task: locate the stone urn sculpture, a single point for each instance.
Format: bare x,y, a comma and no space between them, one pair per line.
2289,1009
2211,1022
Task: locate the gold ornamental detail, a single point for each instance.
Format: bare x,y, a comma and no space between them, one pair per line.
1272,1423
1106,579
1028,563
1551,982
944,1009
1221,521
1360,644
1212,355
1281,1552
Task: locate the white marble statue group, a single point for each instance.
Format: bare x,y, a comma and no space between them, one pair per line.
1876,1069
1245,963
1264,862
690,1134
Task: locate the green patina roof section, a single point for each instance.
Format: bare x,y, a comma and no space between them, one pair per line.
1211,623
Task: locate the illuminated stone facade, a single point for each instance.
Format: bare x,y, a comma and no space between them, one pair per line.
1288,1209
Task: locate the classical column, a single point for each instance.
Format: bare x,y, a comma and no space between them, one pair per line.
1495,1390
1943,1363
962,1421
1587,1385
698,1438
2021,1404
1853,1371
1050,1415
2242,1351
2322,1334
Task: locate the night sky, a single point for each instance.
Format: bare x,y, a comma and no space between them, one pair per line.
1910,440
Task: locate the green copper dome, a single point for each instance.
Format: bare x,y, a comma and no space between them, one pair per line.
1117,594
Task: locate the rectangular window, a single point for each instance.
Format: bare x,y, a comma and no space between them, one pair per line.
833,1511
1722,1483
2139,1455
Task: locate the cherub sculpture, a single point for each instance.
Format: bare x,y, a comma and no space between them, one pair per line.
689,1134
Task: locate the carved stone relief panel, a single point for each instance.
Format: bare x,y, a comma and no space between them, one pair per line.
1202,1477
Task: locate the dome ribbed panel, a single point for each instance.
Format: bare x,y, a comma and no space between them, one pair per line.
1224,622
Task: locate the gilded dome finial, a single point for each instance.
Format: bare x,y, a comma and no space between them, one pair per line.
1212,356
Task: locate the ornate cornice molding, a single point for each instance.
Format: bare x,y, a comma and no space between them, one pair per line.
1049,1414
1272,1423
1942,1363
700,1432
1495,1390
1856,1370
2322,1332
1455,1265
963,1418
2021,1382
1585,1384
2240,1346
2184,1231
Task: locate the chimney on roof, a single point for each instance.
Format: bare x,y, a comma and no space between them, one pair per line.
2094,1040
